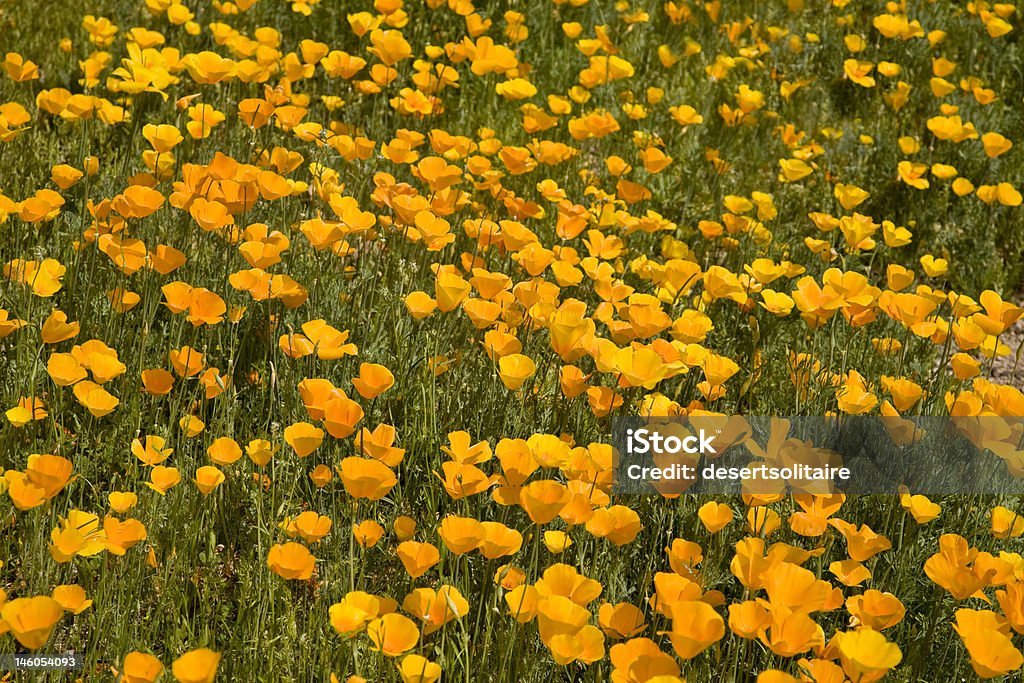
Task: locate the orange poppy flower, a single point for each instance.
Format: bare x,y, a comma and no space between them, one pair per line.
499,540
418,669
367,533
122,535
208,478
392,634
141,667
291,561
378,445
543,500
365,478
161,479
436,608
461,534
32,620
341,415
196,666
187,362
304,438
373,380
417,558
515,369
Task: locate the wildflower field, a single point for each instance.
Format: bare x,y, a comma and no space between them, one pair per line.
315,317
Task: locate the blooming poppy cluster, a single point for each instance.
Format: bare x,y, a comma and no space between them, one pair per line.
314,321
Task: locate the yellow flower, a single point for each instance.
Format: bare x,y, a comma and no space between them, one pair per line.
866,654
31,620
291,561
208,478
196,666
